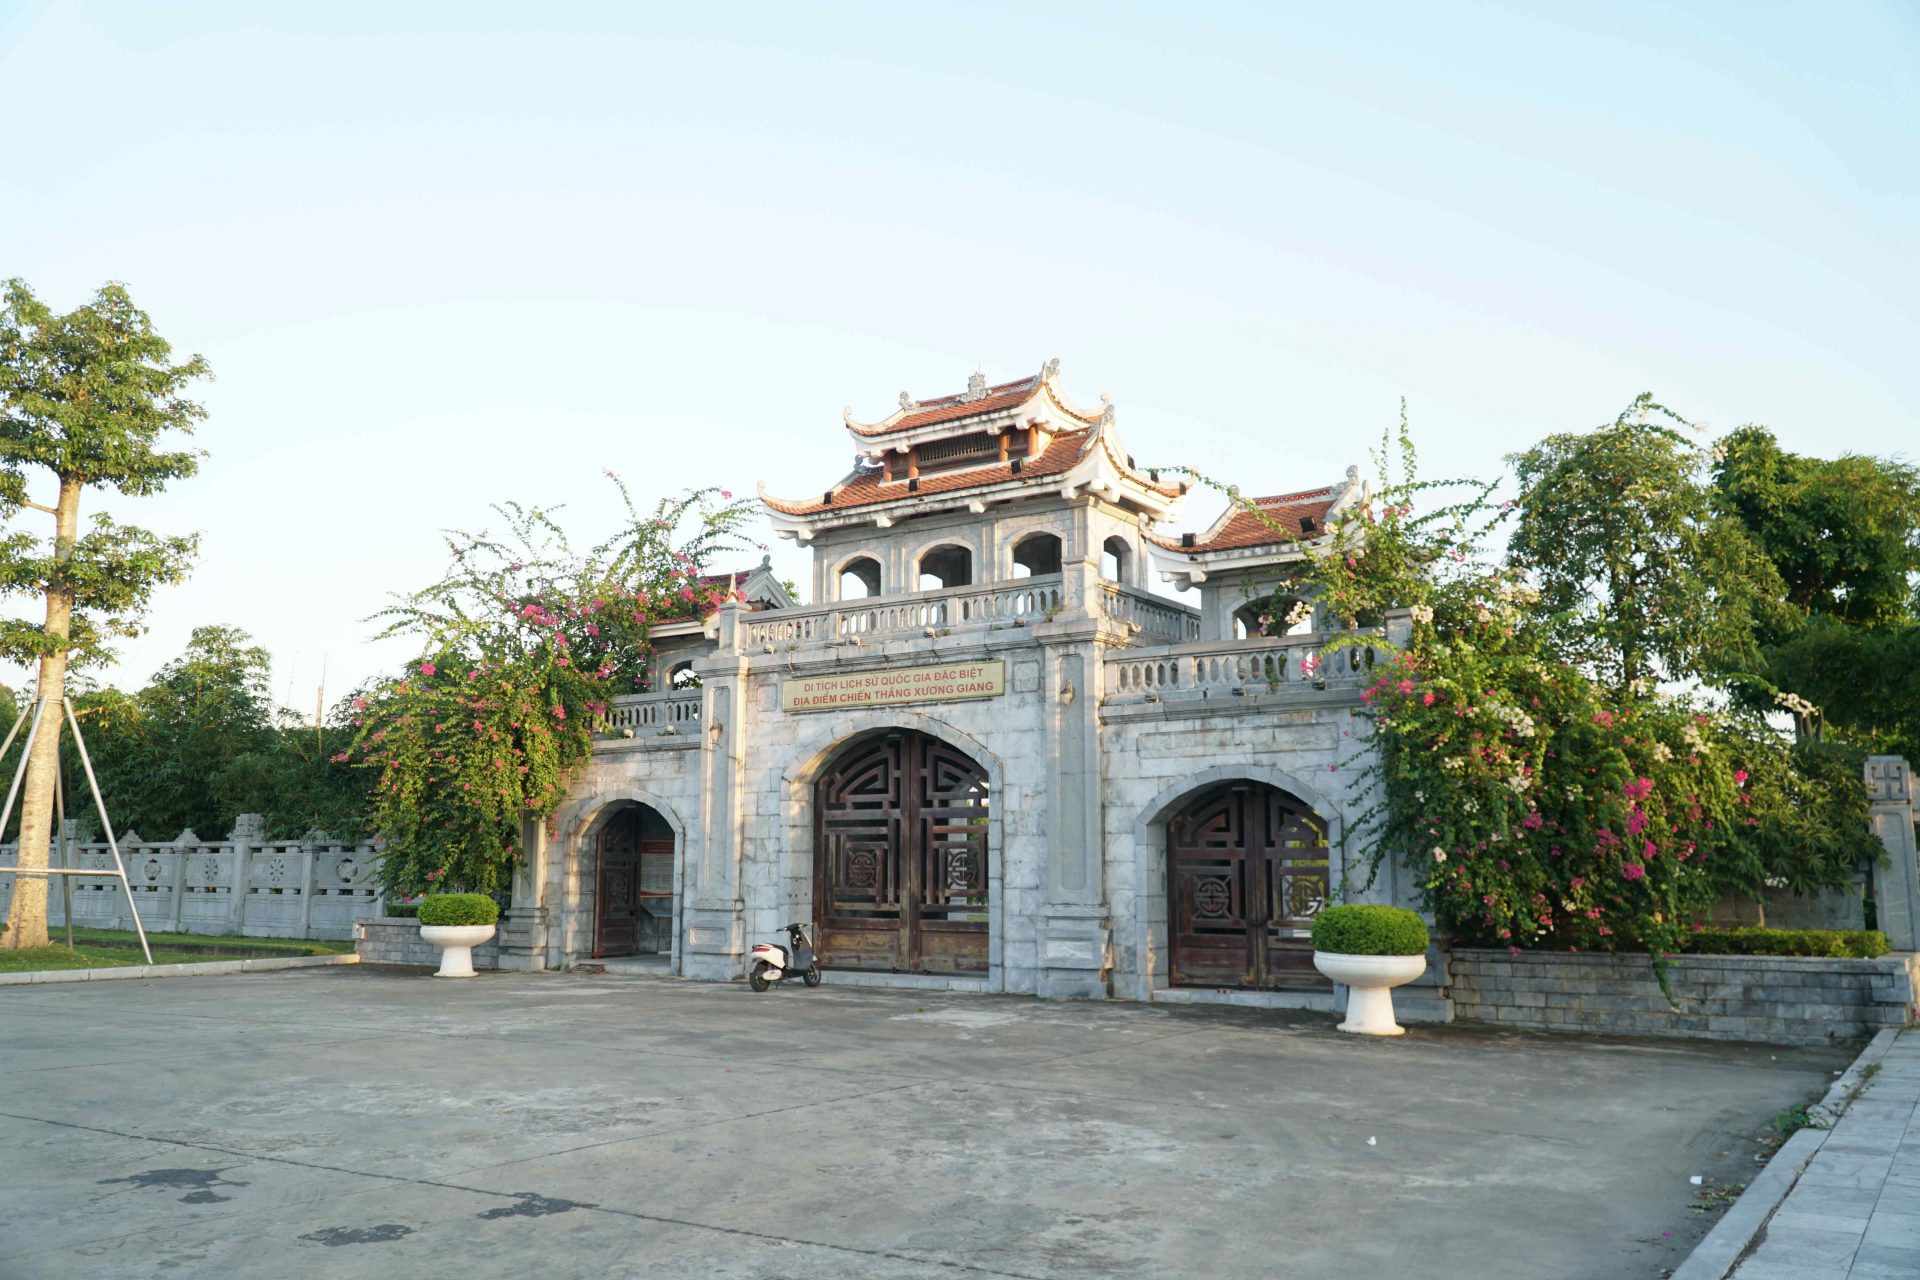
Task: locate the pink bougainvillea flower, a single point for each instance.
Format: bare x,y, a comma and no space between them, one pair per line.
1636,822
427,668
1427,698
359,704
1740,777
559,713
1406,686
1639,789
1533,821
1633,871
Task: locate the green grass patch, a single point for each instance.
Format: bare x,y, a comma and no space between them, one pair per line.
114,948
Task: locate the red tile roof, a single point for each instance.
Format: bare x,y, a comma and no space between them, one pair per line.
1243,528
867,487
956,408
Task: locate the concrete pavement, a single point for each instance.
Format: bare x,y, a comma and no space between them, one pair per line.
361,1121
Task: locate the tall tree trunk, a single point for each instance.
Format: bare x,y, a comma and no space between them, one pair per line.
27,916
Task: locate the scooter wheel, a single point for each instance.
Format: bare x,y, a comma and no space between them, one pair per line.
758,978
811,977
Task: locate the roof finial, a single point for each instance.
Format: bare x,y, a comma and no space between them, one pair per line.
1050,370
977,385
1106,410
906,401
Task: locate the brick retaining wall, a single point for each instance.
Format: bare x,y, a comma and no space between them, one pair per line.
396,940
1784,999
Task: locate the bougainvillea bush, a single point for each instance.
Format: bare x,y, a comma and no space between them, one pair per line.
524,641
1539,804
1539,810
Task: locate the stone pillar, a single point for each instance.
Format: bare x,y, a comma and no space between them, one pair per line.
713,924
523,928
1075,934
1896,885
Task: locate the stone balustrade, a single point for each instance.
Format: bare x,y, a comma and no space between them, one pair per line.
245,884
1155,619
1023,600
1234,668
651,719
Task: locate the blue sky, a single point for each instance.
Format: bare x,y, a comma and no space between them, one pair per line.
446,254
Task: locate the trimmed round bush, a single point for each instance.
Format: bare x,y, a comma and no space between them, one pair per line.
458,908
1370,931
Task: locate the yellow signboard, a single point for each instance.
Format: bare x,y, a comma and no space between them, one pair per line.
950,682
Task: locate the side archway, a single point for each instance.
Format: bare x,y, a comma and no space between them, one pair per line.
1232,863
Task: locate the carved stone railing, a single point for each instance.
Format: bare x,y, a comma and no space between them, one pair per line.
1153,619
1235,668
1023,600
244,884
649,716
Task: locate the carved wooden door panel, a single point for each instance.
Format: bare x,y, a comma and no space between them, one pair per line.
616,901
900,854
1247,871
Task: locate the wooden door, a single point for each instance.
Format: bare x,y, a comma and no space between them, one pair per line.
1247,870
900,857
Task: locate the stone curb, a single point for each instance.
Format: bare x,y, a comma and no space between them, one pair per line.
202,969
1743,1223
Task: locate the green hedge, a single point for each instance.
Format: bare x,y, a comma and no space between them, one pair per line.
458,908
1845,944
403,910
1370,931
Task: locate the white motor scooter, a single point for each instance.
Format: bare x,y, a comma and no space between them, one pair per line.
769,964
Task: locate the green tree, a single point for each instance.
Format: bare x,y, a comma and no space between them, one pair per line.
1619,533
84,399
1844,535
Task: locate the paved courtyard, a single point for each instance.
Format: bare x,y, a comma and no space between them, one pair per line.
357,1122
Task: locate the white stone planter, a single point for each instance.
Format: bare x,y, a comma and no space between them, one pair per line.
1370,981
456,943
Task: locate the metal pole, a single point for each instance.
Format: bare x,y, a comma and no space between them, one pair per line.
60,816
17,722
107,825
26,753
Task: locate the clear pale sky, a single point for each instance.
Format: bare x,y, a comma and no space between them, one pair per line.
442,254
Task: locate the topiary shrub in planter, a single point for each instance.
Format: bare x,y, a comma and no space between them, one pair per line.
457,923
1371,950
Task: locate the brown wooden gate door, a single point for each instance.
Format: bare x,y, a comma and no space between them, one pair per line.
1247,868
900,858
624,905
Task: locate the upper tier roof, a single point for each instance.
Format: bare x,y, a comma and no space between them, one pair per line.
1078,452
956,413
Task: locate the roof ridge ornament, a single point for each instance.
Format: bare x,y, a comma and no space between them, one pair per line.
1050,370
1106,410
906,400
976,387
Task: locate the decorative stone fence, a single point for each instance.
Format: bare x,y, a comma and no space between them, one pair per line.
245,884
396,940
1780,999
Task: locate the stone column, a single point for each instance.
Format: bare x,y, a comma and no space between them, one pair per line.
713,912
523,927
1897,885
1075,934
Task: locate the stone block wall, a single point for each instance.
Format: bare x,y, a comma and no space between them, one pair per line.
396,940
1779,999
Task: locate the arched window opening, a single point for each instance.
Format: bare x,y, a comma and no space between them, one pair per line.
1116,560
1276,615
946,567
682,677
860,578
1035,555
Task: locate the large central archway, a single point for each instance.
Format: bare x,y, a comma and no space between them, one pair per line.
1247,870
900,857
